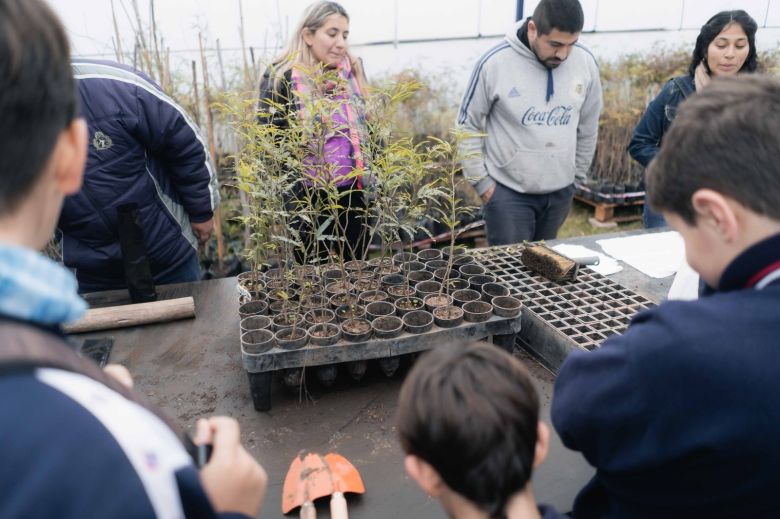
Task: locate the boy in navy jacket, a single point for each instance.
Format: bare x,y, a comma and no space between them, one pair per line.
76,443
680,415
468,421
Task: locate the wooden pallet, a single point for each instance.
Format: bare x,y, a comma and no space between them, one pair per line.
604,212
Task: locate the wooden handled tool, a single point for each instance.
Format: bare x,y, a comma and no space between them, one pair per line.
133,315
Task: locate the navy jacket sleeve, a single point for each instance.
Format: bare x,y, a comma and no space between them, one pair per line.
650,130
599,405
166,130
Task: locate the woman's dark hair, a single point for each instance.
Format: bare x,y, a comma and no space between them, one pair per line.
713,27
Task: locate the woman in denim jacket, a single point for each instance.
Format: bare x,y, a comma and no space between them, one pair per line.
725,46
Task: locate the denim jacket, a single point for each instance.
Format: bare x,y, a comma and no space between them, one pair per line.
650,131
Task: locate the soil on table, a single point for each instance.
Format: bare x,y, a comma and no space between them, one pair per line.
546,262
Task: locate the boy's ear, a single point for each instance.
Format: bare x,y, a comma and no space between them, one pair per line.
425,475
542,443
69,157
713,212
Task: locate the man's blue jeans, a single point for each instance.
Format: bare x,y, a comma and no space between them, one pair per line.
513,217
650,218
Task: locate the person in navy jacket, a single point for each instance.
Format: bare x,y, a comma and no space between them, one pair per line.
76,442
143,150
726,45
680,415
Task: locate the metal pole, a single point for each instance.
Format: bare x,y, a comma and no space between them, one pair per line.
766,15
520,15
682,15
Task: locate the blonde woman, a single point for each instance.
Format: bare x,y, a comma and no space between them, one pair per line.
317,62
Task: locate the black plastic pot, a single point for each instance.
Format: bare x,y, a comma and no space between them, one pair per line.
346,312
451,285
304,271
333,275
506,306
448,316
423,288
392,279
291,338
459,250
436,300
463,260
491,290
441,273
387,327
255,342
338,300
476,282
281,294
429,254
466,295
362,285
398,291
356,265
418,321
253,308
379,309
435,265
319,316
287,320
314,301
403,257
356,330
380,262
412,266
404,305
251,281
471,270
420,275
338,287
255,322
276,307
477,311
370,296
324,334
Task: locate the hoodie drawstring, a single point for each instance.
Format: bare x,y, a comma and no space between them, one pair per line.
550,85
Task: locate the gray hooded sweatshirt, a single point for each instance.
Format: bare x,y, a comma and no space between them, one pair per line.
539,126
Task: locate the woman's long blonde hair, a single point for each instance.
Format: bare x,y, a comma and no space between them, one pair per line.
297,52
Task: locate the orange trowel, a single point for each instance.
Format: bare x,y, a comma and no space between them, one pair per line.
345,478
312,476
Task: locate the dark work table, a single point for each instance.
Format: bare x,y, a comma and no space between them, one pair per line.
192,369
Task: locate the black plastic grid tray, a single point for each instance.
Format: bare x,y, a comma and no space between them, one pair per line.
578,314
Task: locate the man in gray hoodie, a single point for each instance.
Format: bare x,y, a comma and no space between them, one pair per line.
533,105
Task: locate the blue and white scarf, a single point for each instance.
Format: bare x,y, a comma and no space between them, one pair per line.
36,289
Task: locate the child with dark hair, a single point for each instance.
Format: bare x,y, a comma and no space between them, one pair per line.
680,415
468,421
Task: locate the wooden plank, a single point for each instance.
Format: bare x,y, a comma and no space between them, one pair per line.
134,315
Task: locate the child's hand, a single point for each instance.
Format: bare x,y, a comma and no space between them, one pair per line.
233,480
